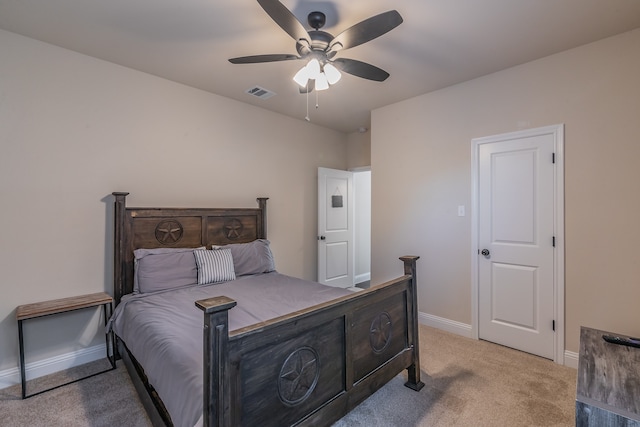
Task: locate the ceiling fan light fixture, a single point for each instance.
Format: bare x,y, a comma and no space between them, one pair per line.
332,73
321,82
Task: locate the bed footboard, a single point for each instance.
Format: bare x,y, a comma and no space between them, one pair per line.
313,366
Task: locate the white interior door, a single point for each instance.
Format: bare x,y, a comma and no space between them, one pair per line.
516,214
335,227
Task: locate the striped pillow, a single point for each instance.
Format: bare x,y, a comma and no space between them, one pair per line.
214,266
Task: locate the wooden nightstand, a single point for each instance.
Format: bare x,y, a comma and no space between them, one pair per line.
46,308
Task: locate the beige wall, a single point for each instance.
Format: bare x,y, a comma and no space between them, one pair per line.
421,163
358,150
73,129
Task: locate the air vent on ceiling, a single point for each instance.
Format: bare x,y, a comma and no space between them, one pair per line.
260,92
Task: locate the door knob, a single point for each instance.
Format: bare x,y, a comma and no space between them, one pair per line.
485,252
321,238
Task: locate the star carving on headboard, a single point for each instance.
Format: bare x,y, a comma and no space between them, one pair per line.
233,228
169,232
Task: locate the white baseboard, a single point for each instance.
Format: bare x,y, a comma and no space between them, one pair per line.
571,359
462,329
10,377
452,326
362,278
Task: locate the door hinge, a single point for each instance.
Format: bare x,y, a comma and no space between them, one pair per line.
553,157
553,325
553,241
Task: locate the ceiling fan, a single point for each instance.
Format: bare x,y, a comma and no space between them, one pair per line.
319,48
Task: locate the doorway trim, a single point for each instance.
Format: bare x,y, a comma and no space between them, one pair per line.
558,268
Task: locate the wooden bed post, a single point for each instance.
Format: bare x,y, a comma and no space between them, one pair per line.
216,369
119,246
413,371
262,204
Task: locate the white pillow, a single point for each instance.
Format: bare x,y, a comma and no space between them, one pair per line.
214,266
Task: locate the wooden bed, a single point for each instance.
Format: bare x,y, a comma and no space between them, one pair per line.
372,335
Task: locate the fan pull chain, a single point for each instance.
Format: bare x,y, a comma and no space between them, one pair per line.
307,118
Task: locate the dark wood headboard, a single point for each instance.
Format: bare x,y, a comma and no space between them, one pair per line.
178,228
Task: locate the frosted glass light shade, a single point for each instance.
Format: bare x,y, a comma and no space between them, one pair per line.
302,77
313,69
332,73
321,82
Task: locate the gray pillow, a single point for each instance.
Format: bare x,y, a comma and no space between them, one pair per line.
164,268
251,258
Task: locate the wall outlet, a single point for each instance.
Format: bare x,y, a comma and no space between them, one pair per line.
461,210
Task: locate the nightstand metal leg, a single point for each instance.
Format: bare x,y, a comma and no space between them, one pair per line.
109,336
22,368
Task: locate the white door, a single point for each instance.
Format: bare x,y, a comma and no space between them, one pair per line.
516,214
335,227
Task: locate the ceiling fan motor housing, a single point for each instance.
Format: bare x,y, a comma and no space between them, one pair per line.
319,42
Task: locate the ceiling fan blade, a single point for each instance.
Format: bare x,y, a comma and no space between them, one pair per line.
360,69
285,19
366,30
254,59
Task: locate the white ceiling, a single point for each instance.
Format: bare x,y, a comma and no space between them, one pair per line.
440,43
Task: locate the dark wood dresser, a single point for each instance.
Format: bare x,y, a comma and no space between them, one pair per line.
608,390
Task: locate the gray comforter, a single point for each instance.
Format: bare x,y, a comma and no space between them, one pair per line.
163,330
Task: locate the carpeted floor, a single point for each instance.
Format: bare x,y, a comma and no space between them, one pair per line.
473,383
467,383
107,399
